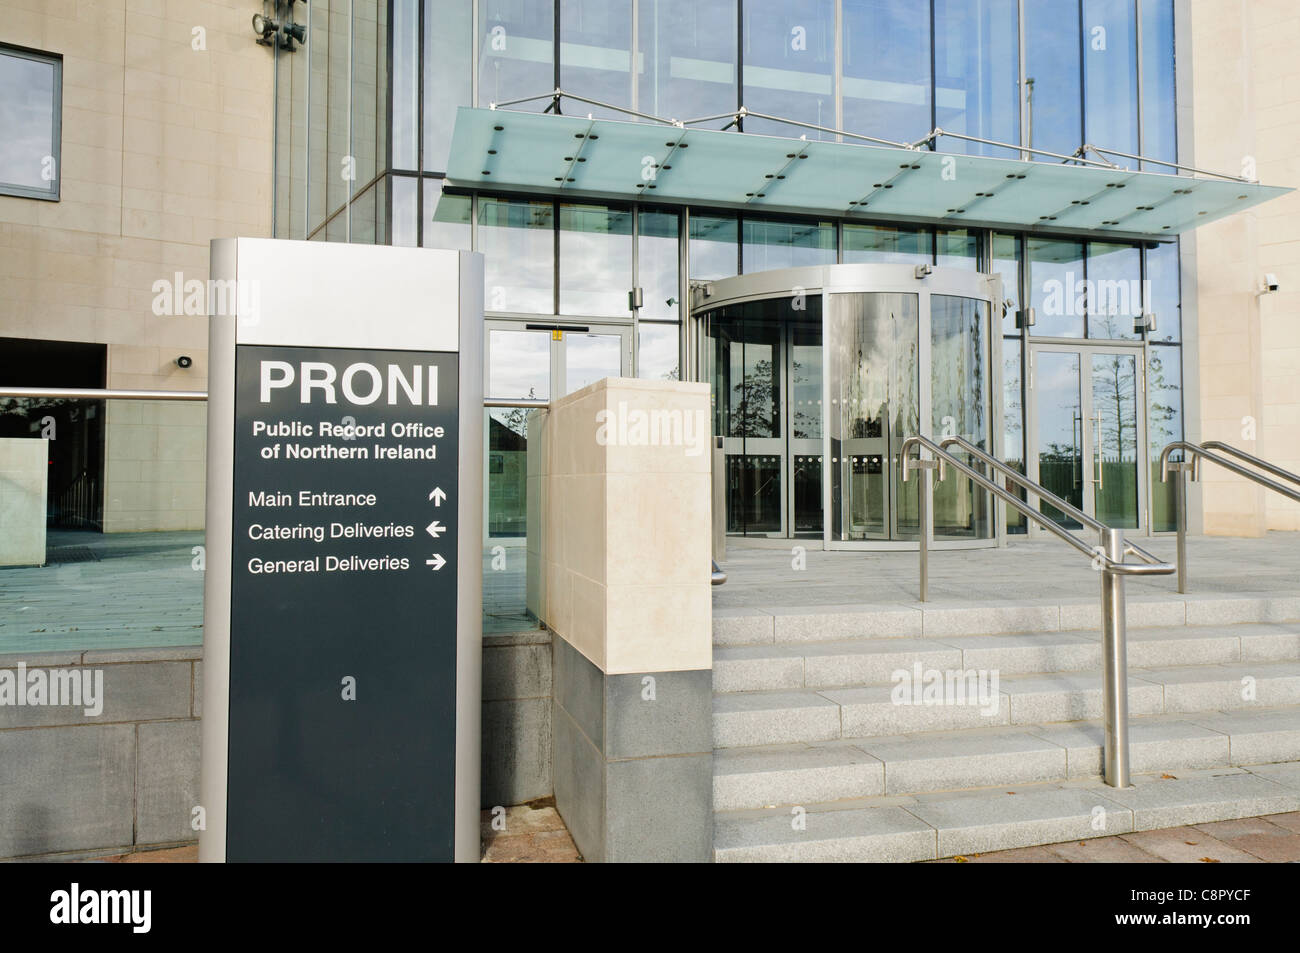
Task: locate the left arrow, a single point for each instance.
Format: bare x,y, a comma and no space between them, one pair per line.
435,529
437,562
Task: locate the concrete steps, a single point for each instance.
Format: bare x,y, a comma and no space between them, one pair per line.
816,758
931,826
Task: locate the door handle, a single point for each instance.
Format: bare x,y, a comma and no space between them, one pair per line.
1099,468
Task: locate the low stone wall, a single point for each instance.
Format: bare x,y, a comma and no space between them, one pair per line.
72,783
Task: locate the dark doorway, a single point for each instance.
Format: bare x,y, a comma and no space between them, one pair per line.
75,428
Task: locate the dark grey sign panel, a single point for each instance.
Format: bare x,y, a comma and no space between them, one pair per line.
342,705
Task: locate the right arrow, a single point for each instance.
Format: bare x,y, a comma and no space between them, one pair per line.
437,562
437,496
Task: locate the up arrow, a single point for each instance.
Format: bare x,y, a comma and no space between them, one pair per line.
437,496
437,562
435,529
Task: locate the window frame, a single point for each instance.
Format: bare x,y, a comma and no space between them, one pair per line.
56,125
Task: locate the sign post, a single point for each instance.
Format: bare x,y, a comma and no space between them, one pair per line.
342,631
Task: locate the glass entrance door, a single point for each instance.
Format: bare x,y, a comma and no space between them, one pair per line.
764,359
1090,430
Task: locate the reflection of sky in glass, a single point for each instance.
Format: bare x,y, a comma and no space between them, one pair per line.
977,73
657,264
1052,63
1059,264
1115,279
956,248
404,210
595,62
515,52
517,242
448,46
657,354
688,56
1110,75
595,260
1159,127
590,357
519,364
446,218
881,244
770,244
26,111
1006,263
713,247
1162,273
789,63
886,62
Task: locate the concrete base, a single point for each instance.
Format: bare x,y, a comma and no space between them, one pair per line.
633,761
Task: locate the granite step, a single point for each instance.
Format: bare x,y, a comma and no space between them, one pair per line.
933,826
759,777
782,717
831,623
848,663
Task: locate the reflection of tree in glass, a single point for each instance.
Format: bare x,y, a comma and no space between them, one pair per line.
1164,402
517,417
755,397
1114,390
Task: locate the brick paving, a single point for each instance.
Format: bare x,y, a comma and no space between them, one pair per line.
1250,840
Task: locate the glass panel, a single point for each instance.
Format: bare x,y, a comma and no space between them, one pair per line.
868,244
405,213
657,264
29,104
687,59
977,70
516,51
595,57
657,352
1159,124
743,362
1013,422
1165,425
774,244
875,404
1006,262
886,63
337,134
406,79
805,424
1056,287
1051,93
1058,403
513,538
957,248
1114,290
789,63
959,402
369,96
364,215
714,247
1163,298
518,243
1115,439
519,364
448,75
1110,76
446,218
595,260
590,357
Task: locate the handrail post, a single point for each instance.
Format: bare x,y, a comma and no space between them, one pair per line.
1180,515
1114,675
925,511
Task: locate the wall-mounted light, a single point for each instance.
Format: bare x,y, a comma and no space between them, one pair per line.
279,29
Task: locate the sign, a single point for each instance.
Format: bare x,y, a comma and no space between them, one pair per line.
347,560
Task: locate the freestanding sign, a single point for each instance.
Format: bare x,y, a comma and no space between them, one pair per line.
342,636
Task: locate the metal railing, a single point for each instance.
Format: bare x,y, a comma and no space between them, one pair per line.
1107,556
1193,453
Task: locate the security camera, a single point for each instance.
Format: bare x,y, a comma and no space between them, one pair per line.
1270,283
184,361
920,271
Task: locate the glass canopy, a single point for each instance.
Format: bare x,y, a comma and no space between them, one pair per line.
612,159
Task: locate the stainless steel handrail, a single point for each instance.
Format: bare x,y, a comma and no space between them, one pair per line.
1193,453
100,393
1108,557
1043,493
